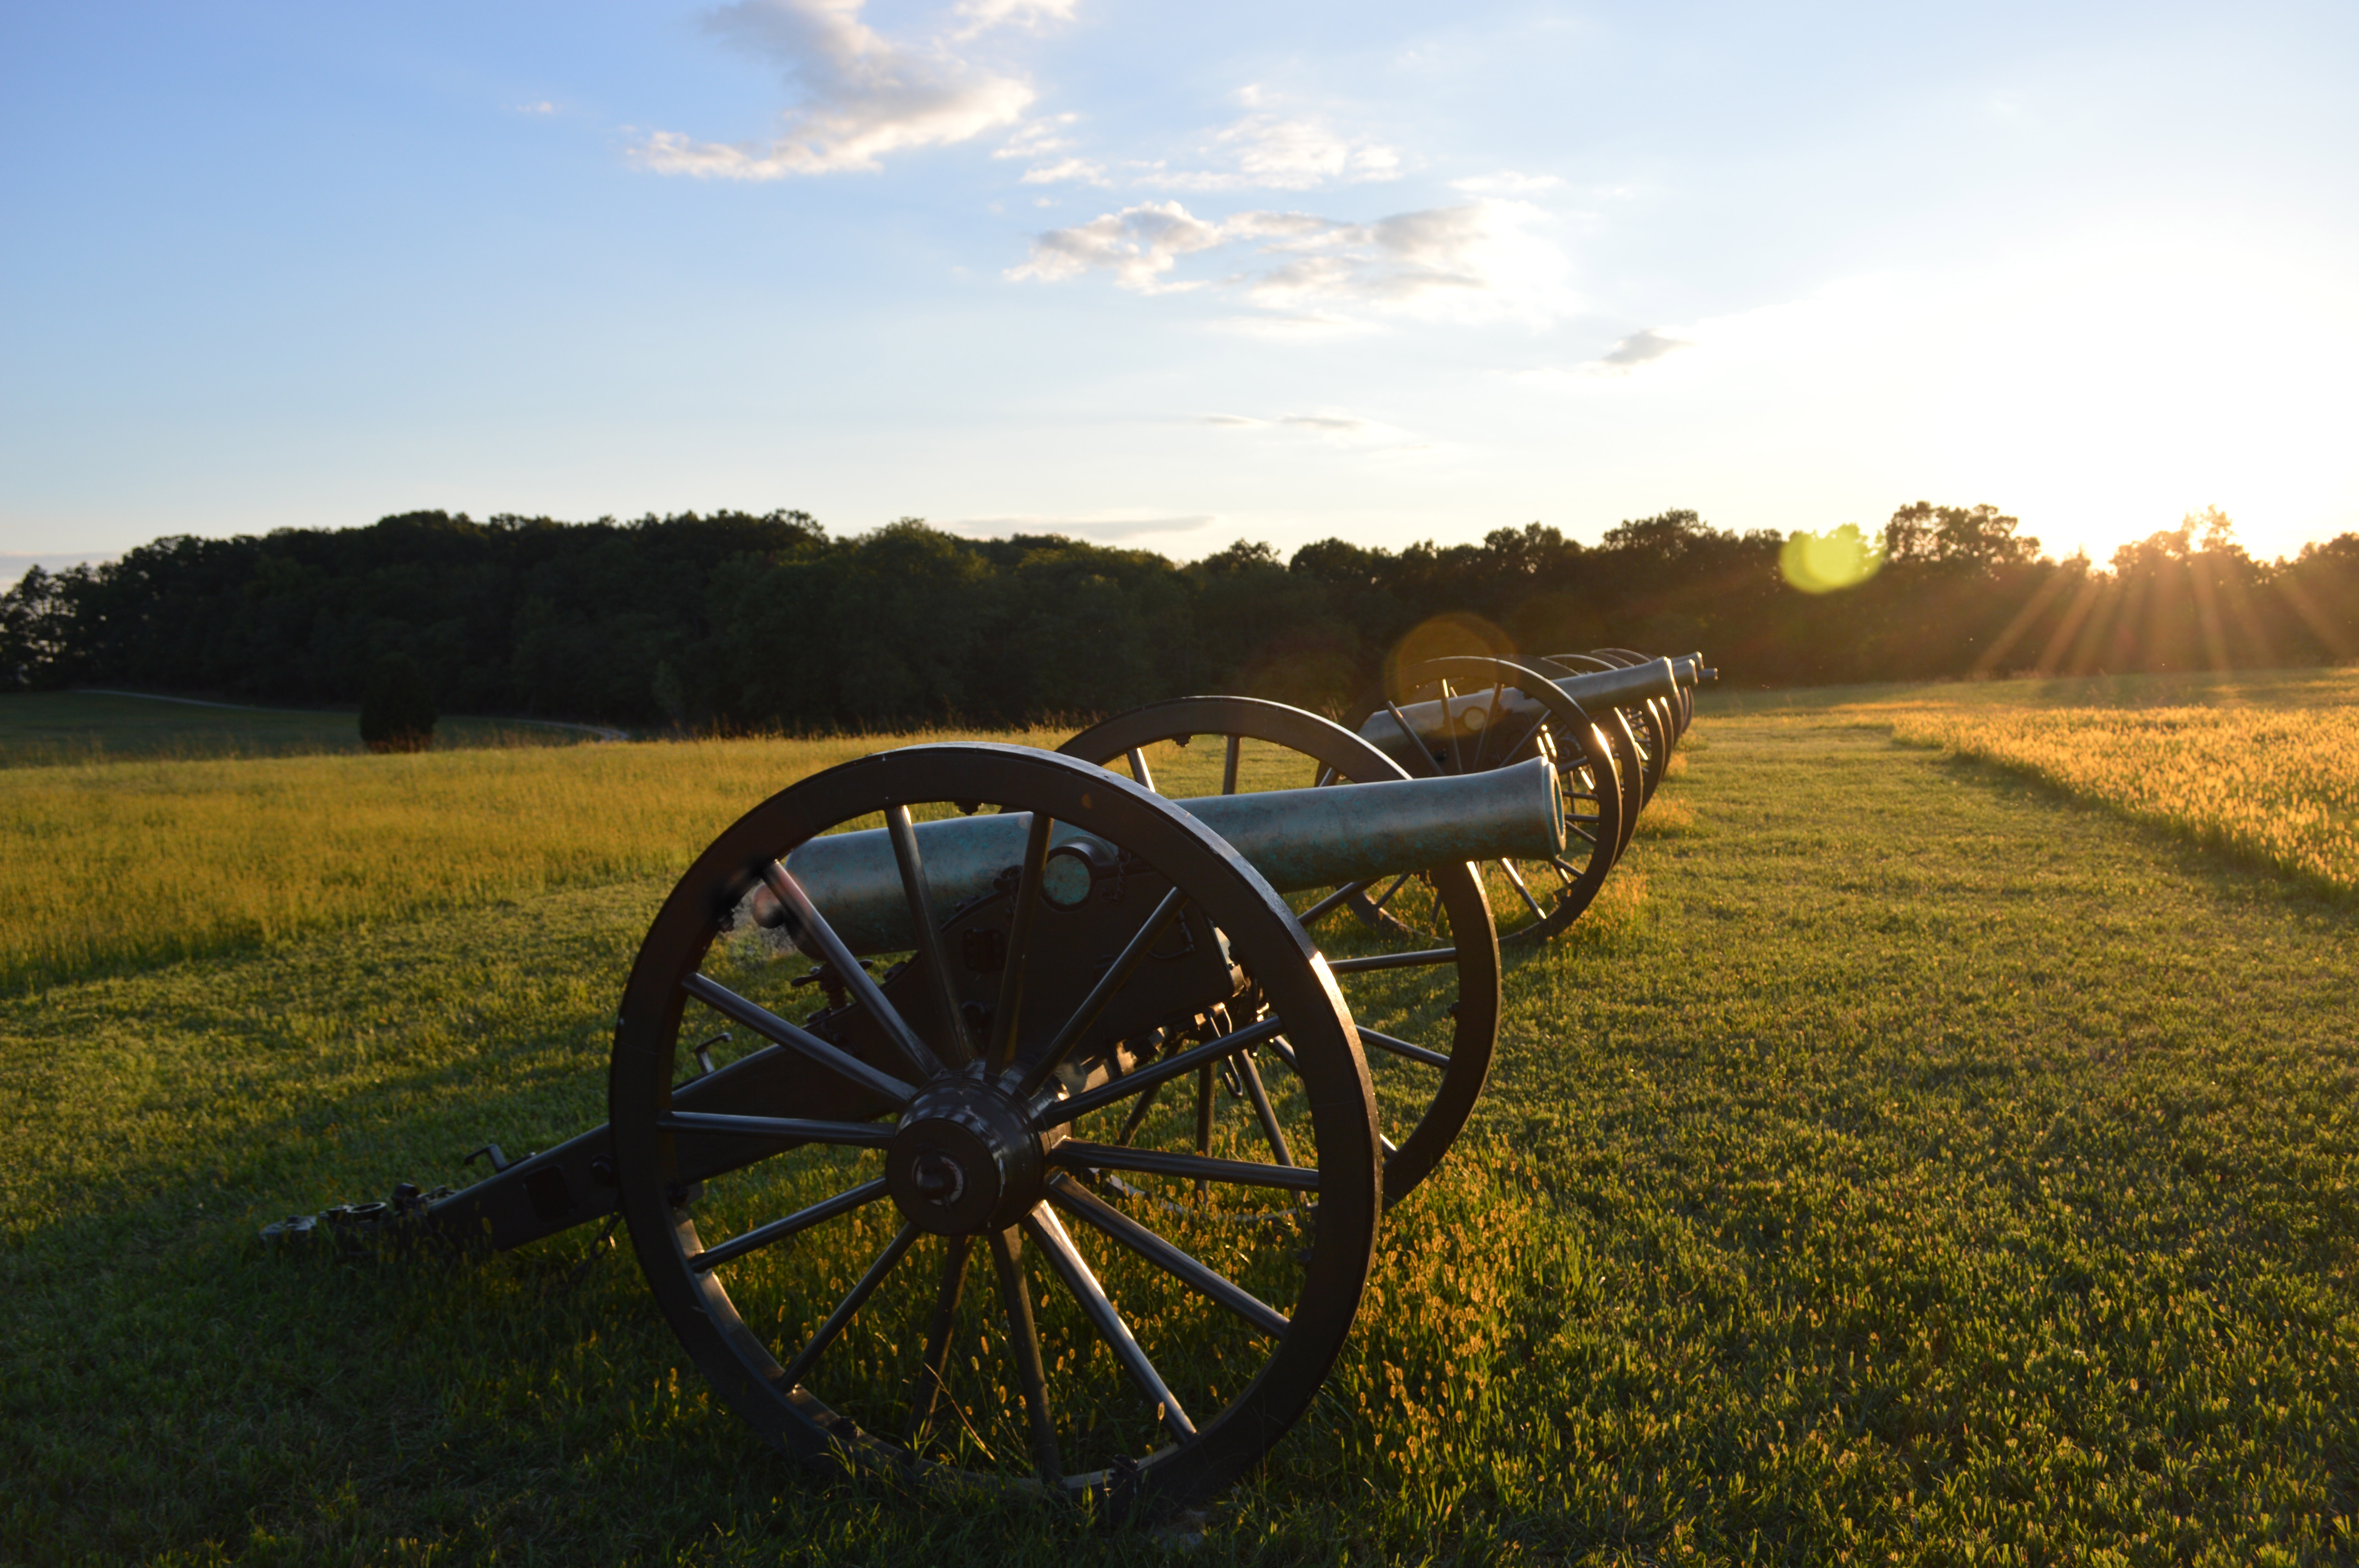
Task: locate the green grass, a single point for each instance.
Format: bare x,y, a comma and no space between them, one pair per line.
48,728
1911,1165
130,862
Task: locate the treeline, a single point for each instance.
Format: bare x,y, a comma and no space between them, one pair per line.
735,622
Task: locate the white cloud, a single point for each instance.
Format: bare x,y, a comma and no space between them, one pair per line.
1266,152
1640,348
981,15
862,96
1037,138
1260,151
1478,260
543,107
1075,171
1138,245
1328,428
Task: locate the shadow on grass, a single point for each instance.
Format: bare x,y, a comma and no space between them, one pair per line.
2202,857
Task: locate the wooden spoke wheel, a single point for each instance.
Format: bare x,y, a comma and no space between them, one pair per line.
1646,751
939,1220
1678,709
1422,985
1509,712
1682,706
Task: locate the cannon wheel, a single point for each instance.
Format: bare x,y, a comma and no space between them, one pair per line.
1598,800
1683,705
1676,707
1647,725
991,1348
1415,1146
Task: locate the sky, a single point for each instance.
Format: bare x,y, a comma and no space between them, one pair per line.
1170,277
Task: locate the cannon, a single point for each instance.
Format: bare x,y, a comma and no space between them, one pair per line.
1608,719
983,1116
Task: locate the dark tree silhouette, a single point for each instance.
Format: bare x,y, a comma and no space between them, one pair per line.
737,621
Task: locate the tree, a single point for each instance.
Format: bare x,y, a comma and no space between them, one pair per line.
1981,538
29,640
397,709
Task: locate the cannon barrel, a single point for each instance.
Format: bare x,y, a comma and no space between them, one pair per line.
1296,839
1693,671
1437,720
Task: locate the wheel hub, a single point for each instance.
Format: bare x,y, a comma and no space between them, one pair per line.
964,1159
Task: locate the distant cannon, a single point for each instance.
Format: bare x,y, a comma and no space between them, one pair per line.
1608,720
1036,1003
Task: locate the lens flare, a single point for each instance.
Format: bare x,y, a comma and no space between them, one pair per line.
1821,563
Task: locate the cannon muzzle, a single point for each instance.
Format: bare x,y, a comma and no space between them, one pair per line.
1693,671
1296,839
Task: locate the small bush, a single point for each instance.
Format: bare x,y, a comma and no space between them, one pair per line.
397,709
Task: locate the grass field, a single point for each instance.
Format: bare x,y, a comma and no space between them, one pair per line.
44,728
2262,764
111,863
1915,1165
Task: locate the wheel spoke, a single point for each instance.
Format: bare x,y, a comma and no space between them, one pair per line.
770,1026
1087,1207
837,957
1516,877
1228,764
894,1249
1139,773
1138,1113
1066,1259
1076,1155
1019,941
1400,883
1024,1341
1093,1005
1393,961
1524,740
1328,905
922,921
1207,1095
780,1229
1058,1112
1260,1098
1403,1048
927,1395
1490,722
1426,765
785,1128
1450,727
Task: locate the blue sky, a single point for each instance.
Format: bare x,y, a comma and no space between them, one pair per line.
1172,275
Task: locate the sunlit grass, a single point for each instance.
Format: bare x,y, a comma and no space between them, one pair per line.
46,729
2266,766
1896,1164
132,862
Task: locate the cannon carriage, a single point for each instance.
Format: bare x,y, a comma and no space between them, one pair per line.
1610,721
988,1115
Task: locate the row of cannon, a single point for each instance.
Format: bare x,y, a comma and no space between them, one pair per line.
983,1114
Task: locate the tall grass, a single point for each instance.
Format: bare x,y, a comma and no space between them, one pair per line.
135,862
2267,767
2280,786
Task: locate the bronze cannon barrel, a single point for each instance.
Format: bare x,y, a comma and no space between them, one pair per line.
1296,839
1438,720
1692,670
